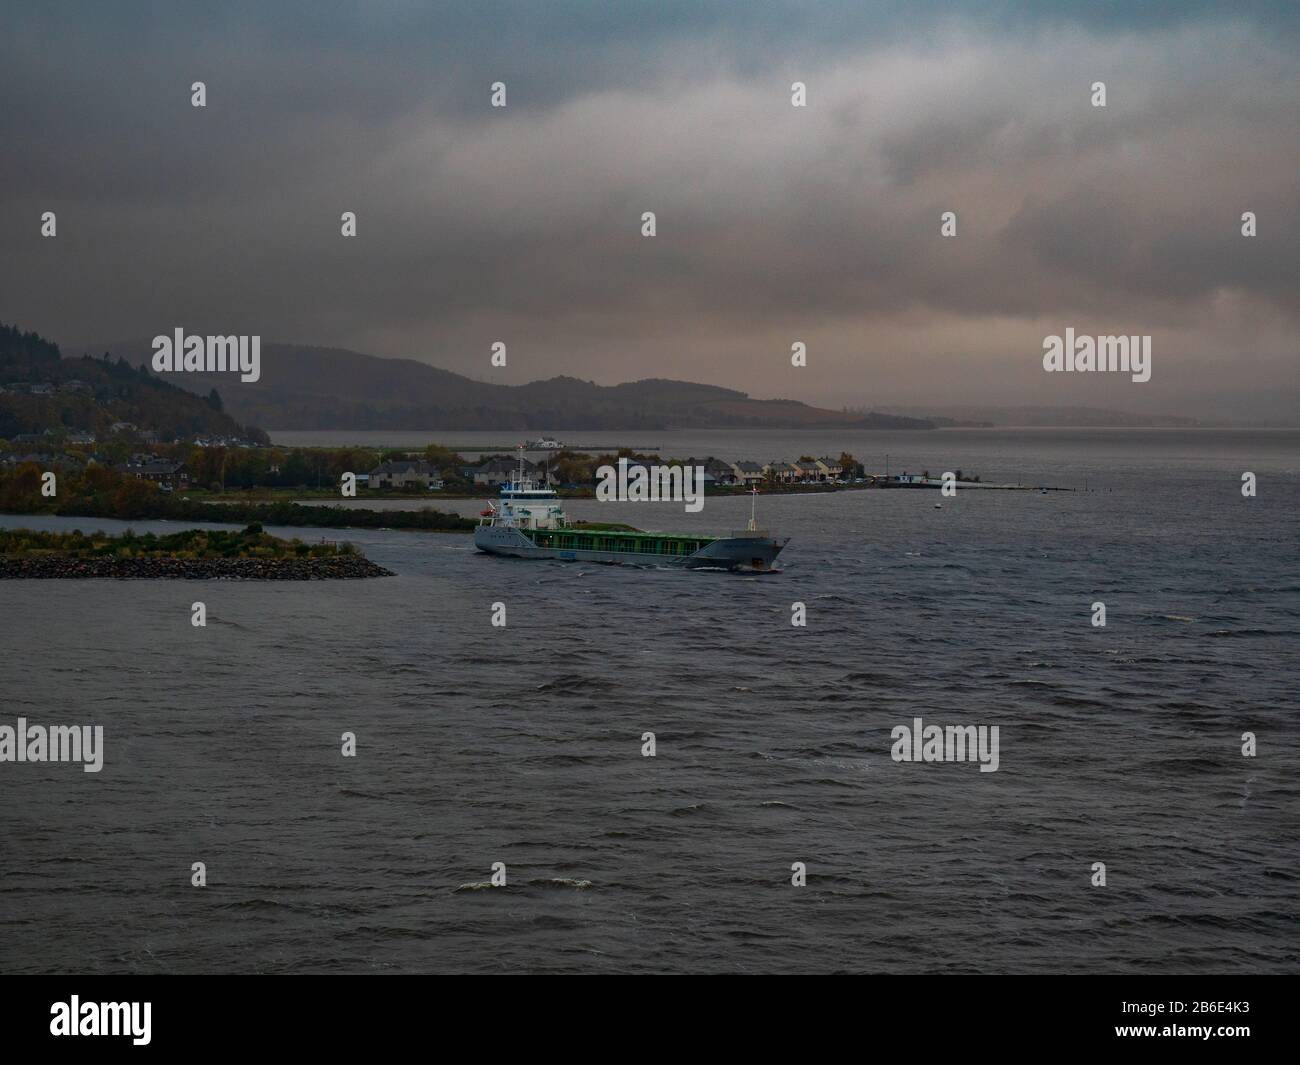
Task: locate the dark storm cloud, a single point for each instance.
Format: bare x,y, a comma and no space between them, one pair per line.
523,224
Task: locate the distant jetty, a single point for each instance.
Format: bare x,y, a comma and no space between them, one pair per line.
906,481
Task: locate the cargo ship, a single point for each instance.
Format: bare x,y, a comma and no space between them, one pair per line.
530,523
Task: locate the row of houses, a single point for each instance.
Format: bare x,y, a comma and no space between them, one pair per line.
501,468
46,460
806,471
70,436
496,470
142,467
415,473
45,388
490,473
84,437
166,475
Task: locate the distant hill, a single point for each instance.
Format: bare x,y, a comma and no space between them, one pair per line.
40,390
304,387
1054,417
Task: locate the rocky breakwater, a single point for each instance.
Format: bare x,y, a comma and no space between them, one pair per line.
46,567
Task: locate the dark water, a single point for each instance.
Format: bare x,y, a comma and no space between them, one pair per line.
522,745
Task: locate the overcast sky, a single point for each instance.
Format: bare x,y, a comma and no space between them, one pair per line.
775,224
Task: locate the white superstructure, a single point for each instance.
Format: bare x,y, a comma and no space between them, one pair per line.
525,505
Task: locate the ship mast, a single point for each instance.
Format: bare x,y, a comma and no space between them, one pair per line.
753,502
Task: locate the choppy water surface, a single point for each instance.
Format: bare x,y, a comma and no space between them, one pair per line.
523,745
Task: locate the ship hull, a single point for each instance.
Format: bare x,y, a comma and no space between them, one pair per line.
747,554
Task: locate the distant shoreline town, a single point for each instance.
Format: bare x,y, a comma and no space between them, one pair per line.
219,465
576,472
125,443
